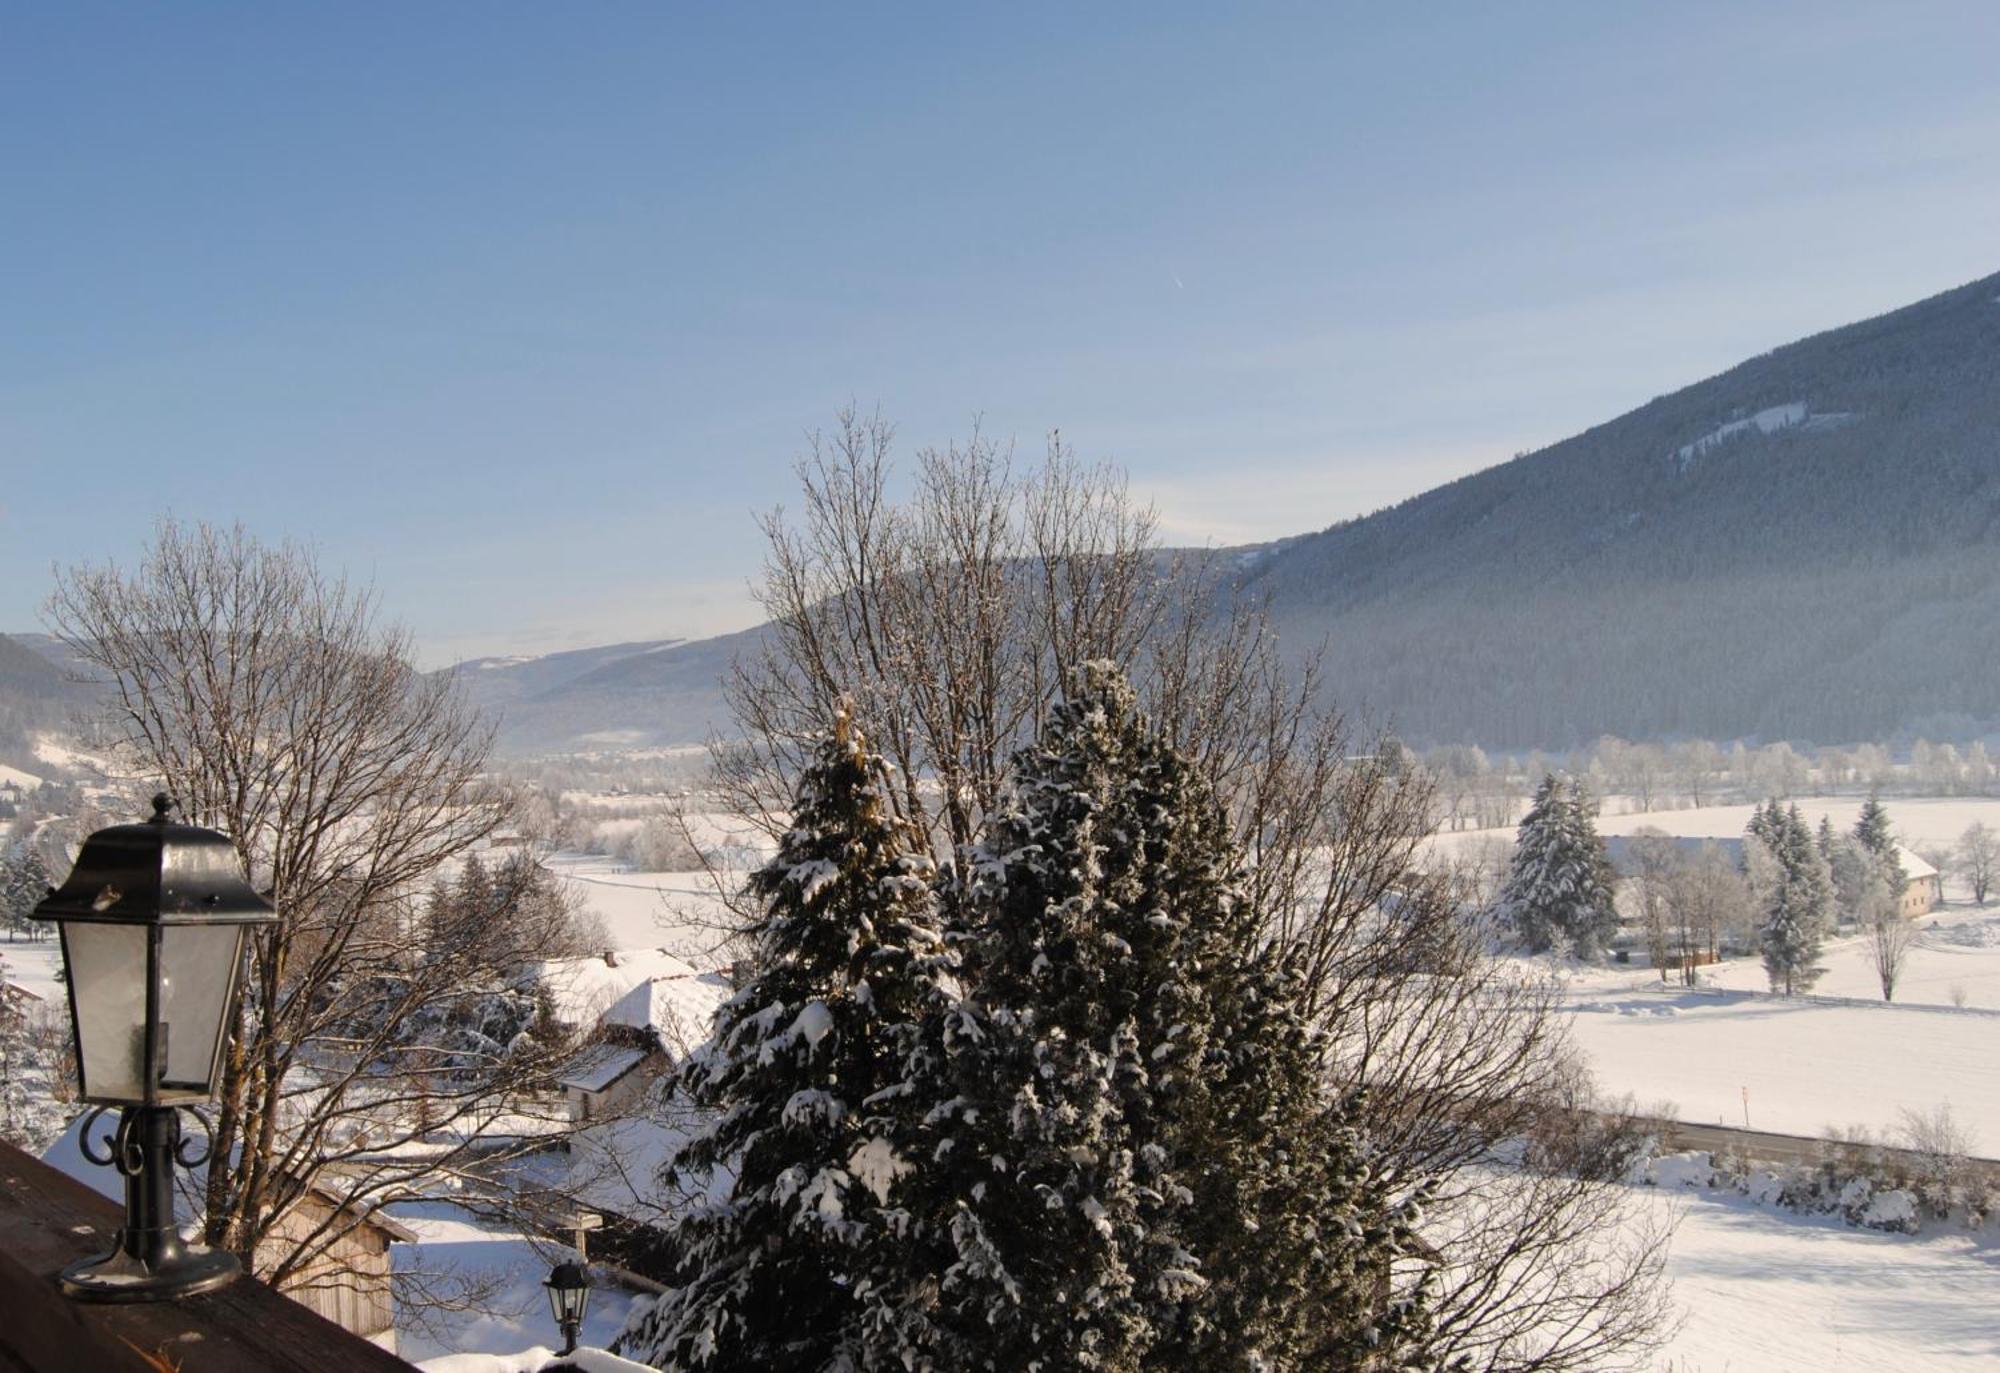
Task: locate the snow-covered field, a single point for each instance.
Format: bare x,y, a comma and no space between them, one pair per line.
33,965
676,911
1956,957
1806,1064
1772,1292
1919,822
1841,1057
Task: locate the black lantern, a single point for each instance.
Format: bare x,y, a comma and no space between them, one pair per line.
153,919
569,1294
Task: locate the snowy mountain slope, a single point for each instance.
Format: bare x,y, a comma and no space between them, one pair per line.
645,696
1804,546
502,681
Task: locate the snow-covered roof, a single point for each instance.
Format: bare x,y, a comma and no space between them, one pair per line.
581,990
1914,866
678,1009
597,1068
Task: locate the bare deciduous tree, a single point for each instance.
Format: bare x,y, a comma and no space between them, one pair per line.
1655,860
1943,1147
951,621
1978,859
1708,901
267,699
1890,935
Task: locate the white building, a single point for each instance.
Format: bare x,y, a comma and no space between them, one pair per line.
663,1011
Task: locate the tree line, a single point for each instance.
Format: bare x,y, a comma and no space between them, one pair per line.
1791,889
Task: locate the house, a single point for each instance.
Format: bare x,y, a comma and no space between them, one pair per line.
18,1001
581,990
652,1025
605,1077
1925,889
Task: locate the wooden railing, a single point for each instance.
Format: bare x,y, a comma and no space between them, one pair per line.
48,1221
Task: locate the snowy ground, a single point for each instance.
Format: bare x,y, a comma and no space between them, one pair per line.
676,911
1763,1291
1772,1292
1806,1064
1957,952
1841,1057
33,965
1919,821
453,1242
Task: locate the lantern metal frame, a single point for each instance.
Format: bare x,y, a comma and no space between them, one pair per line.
568,1285
157,876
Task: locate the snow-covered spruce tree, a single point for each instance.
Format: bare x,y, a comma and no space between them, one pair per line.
1083,1024
1152,1175
1797,899
1559,888
1297,1232
24,881
1872,830
805,1264
30,1115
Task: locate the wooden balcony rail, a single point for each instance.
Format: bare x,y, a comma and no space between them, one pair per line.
48,1220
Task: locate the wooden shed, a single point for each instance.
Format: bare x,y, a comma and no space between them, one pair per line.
349,1283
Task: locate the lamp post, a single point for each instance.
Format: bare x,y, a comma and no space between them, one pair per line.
153,918
569,1294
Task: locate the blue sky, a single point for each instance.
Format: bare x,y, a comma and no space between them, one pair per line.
521,311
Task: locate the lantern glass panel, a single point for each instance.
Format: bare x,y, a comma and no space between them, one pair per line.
106,964
568,1303
197,969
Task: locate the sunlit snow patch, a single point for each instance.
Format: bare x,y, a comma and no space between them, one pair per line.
1792,415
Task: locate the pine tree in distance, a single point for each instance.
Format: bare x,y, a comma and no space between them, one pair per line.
1796,893
802,1264
1872,830
1559,892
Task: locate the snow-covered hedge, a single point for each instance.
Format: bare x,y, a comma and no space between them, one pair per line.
1884,1197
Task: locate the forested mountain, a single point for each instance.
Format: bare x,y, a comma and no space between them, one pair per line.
627,695
35,693
1803,547
500,682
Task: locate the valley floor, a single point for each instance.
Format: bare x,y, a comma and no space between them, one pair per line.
1808,1063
